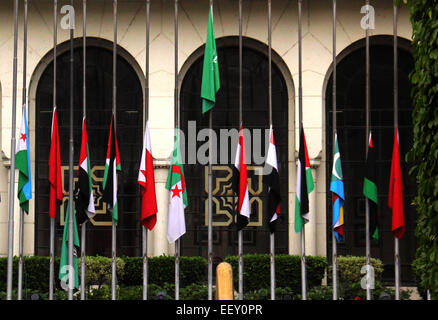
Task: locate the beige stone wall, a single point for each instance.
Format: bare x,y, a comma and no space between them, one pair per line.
317,58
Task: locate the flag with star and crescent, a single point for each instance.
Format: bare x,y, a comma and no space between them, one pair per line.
22,163
176,225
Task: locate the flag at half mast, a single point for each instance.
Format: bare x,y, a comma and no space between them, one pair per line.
304,185
240,184
55,178
395,197
146,180
84,195
210,72
22,163
370,189
112,168
272,180
176,184
337,188
64,267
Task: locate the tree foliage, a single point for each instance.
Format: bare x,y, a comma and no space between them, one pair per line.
424,153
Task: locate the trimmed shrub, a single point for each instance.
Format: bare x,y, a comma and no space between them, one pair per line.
265,294
35,273
161,270
256,271
349,268
99,270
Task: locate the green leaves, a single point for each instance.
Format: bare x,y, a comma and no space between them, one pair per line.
424,153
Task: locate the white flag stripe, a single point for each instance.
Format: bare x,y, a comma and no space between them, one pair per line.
271,158
244,211
146,146
176,225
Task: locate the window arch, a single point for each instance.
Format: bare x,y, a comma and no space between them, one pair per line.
99,109
352,143
225,116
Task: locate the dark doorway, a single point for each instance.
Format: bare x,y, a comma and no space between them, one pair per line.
226,116
352,144
99,110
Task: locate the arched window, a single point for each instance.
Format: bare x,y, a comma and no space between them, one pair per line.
226,116
99,110
352,144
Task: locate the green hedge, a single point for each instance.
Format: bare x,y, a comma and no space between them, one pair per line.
349,268
35,273
193,270
256,271
162,270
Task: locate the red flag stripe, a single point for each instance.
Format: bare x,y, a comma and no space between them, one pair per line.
395,197
55,178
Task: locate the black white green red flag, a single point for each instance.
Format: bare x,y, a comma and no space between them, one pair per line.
304,185
112,168
240,184
370,189
84,196
272,180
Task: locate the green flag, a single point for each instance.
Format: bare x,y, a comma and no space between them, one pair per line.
64,268
210,72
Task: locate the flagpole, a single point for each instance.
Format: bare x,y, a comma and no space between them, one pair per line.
210,199
12,169
114,226
146,111
20,258
70,173
300,108
52,220
240,232
178,123
84,113
367,108
271,235
396,241
334,245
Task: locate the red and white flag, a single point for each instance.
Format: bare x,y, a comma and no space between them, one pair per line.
147,182
55,178
240,183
